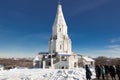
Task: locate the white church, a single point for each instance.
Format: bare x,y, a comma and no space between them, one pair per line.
60,55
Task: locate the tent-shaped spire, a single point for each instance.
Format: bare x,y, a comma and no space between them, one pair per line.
60,41
59,19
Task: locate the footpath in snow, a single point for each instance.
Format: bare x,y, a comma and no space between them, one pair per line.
44,74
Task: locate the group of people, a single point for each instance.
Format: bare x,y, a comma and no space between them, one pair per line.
105,71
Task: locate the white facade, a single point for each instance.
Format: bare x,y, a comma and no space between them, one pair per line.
60,55
60,41
84,60
1,67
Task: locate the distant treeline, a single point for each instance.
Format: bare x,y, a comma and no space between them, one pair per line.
15,63
102,60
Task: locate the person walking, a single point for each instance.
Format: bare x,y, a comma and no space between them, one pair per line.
97,71
102,72
88,72
113,72
106,71
118,71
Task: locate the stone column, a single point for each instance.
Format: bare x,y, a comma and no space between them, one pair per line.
44,64
52,66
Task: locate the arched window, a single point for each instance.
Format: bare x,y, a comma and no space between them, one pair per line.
53,51
60,29
75,64
60,47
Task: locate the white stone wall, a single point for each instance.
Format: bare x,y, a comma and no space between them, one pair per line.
61,64
72,61
60,42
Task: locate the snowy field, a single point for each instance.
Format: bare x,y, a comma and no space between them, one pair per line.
44,74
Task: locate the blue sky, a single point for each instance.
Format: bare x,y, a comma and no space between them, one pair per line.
26,26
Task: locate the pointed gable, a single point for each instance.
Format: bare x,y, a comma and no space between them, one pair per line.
59,19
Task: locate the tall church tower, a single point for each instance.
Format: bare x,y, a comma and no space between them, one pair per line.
60,41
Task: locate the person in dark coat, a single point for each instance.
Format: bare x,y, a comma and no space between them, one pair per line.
106,71
118,71
98,71
113,72
88,72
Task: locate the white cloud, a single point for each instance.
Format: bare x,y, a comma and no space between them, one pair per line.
21,51
38,35
115,40
109,51
115,47
89,5
34,37
15,54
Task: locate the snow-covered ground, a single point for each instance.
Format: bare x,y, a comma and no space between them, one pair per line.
44,74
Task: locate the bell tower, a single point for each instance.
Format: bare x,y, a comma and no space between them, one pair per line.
60,41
